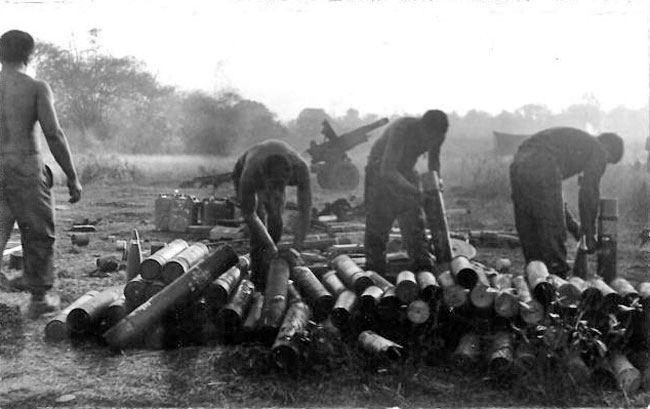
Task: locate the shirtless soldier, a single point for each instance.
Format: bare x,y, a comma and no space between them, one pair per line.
25,181
391,187
540,165
261,176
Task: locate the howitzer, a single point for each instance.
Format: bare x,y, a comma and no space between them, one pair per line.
333,167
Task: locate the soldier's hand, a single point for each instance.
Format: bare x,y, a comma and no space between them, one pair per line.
592,243
441,185
74,187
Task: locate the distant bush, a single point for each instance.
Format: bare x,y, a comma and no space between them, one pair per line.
106,168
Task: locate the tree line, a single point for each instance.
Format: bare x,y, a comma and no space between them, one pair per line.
113,103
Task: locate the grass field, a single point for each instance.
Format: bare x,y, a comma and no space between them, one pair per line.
35,373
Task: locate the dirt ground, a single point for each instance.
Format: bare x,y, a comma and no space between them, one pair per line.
35,373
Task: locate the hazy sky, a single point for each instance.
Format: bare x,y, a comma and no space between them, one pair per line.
382,56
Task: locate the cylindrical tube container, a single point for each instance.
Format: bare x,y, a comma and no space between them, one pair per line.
320,299
502,354
607,239
135,290
468,351
374,343
183,261
287,347
57,328
530,310
351,274
407,287
333,283
151,267
231,317
429,288
453,294
81,319
275,297
219,291
506,303
463,271
343,308
482,294
538,280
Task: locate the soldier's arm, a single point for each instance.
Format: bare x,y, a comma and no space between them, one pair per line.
589,193
389,163
237,171
304,203
55,137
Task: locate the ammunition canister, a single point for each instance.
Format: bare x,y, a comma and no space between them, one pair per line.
57,328
538,280
183,261
506,303
607,239
319,298
133,256
343,309
436,217
406,287
376,344
610,298
81,319
418,312
468,351
370,299
135,290
250,325
627,376
501,356
568,293
219,291
524,357
429,288
625,290
151,267
118,309
530,310
131,329
333,283
288,344
231,316
389,306
482,294
351,274
275,297
379,280
453,294
463,272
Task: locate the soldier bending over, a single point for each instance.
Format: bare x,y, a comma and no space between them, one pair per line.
261,176
540,165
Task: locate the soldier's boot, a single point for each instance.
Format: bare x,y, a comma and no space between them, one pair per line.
43,304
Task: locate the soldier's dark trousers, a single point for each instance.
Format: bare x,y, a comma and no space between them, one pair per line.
270,206
536,185
26,198
382,208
